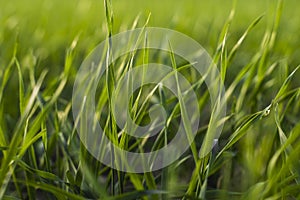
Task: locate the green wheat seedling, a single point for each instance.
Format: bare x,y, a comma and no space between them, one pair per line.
42,156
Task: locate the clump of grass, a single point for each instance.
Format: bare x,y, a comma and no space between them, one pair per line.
42,157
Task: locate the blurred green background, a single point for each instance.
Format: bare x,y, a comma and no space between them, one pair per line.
44,27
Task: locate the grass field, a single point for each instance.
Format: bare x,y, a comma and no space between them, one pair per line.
254,44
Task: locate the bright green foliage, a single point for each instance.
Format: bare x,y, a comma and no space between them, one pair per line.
255,44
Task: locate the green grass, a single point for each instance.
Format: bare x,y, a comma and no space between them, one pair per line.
255,46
